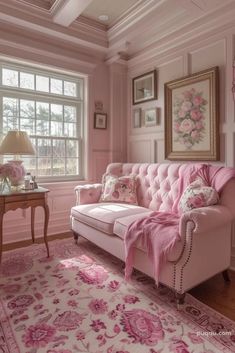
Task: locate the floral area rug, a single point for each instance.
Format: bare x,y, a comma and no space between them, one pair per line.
78,301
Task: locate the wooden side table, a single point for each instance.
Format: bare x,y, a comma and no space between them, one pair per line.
10,201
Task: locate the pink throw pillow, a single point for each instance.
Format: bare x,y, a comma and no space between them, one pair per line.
198,195
119,189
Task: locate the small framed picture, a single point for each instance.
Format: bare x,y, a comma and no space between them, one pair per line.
150,117
100,121
136,118
144,87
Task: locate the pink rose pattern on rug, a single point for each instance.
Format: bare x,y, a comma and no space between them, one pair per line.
78,301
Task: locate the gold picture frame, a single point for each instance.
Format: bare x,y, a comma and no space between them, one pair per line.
192,117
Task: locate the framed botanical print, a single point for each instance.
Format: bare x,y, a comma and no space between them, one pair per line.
144,87
137,118
150,117
191,117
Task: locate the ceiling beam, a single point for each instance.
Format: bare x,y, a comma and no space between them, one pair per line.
69,11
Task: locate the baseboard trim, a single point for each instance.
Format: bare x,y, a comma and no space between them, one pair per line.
23,243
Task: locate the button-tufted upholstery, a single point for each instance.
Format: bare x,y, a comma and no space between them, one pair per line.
158,183
205,246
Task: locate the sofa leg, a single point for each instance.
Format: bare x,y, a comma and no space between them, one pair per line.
226,276
179,300
75,235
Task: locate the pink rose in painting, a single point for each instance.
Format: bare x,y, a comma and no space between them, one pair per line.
113,286
195,135
98,306
186,106
176,127
68,320
22,301
93,275
131,299
178,346
195,114
182,113
38,335
187,125
199,125
59,351
187,95
142,326
198,100
196,201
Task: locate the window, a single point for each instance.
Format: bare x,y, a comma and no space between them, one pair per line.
49,106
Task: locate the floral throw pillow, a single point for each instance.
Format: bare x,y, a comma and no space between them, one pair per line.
198,195
119,189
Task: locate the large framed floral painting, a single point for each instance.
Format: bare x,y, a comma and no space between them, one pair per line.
191,117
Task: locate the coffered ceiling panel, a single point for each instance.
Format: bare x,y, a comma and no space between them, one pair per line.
43,4
111,8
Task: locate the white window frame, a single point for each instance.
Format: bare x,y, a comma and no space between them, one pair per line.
22,93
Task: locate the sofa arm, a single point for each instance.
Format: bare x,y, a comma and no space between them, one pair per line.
206,218
89,193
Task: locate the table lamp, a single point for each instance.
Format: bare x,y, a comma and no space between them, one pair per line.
17,143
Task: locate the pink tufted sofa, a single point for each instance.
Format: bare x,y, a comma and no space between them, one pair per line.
205,246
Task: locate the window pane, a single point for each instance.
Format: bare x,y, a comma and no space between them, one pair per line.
27,125
58,166
70,130
10,123
58,148
42,128
69,114
27,109
44,147
71,148
42,110
30,164
56,128
70,89
44,166
26,80
56,86
42,83
10,106
72,166
10,78
56,112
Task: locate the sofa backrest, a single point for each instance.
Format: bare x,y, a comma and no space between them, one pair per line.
158,184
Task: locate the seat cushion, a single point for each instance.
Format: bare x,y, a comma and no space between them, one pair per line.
121,225
103,215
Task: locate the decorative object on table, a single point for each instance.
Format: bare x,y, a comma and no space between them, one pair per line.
33,181
98,106
144,87
150,117
78,298
233,87
100,121
137,118
16,143
191,117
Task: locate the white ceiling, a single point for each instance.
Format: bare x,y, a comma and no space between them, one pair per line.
112,8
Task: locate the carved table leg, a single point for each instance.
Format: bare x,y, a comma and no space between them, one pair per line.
46,220
32,223
1,224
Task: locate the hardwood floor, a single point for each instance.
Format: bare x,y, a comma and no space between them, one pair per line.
215,292
218,294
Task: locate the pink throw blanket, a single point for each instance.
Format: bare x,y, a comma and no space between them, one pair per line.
159,232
